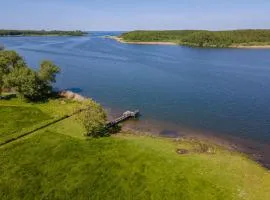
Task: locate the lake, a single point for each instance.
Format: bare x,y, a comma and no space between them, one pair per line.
225,91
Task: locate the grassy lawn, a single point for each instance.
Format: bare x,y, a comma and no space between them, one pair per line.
54,107
58,163
49,165
18,116
13,118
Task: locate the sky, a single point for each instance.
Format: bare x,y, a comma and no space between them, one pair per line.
123,15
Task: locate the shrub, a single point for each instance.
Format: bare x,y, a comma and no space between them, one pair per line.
93,118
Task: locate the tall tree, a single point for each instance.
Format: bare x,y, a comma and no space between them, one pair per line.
48,71
9,60
33,85
26,82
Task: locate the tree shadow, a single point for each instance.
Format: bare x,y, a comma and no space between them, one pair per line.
8,97
114,129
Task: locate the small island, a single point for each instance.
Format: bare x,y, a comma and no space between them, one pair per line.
41,33
250,38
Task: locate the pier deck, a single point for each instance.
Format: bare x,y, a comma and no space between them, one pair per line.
126,115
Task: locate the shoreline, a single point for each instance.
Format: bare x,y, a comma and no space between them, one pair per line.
254,150
250,47
49,35
121,40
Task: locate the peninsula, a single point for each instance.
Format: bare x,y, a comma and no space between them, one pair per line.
250,38
40,33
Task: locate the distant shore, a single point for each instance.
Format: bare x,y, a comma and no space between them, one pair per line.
22,33
33,35
121,40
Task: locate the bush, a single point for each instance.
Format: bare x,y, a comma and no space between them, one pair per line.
93,118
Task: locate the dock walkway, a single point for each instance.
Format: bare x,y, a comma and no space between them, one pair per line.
126,115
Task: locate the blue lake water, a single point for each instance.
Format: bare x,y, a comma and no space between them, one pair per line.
221,90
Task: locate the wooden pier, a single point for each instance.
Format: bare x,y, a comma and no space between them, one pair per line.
126,115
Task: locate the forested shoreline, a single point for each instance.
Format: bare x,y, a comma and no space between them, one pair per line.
40,33
203,38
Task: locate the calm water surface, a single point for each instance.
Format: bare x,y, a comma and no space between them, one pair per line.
221,90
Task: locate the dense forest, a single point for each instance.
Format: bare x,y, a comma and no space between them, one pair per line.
203,38
40,33
159,36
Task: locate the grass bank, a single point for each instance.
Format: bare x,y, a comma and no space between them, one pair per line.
59,163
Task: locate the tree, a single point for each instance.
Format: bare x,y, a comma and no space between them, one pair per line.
47,76
9,60
26,82
48,71
93,118
32,85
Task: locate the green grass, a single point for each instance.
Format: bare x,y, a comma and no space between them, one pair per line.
18,116
54,107
58,163
49,165
13,118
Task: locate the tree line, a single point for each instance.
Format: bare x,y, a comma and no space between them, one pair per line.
159,36
40,33
203,38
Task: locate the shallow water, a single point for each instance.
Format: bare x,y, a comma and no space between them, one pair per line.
225,91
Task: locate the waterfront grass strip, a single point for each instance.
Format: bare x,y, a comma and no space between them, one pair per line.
49,165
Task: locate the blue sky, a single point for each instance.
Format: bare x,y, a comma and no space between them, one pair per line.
136,14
